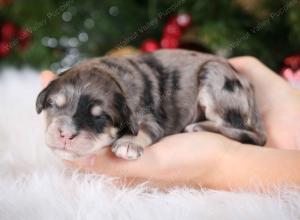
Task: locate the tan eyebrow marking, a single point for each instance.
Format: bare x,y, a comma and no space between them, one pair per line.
60,100
96,110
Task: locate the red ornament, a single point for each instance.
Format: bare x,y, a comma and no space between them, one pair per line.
8,31
24,34
292,76
171,33
291,70
150,45
169,42
24,38
24,44
184,20
292,62
172,29
4,48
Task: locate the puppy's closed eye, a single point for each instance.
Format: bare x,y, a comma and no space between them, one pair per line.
50,102
58,101
101,121
101,118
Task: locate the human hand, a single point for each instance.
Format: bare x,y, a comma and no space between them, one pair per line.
277,101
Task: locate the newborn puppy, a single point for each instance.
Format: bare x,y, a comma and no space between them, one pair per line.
132,102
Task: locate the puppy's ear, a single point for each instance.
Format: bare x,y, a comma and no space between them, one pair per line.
126,115
42,98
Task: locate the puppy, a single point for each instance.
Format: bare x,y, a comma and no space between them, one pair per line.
132,102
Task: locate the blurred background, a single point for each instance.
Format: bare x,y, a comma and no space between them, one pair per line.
53,34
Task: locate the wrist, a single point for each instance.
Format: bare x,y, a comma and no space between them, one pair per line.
218,176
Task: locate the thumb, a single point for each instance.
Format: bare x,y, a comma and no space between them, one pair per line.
46,77
270,89
260,75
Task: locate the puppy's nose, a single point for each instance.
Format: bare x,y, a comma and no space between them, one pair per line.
66,134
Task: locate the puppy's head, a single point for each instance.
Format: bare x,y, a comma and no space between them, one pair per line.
85,110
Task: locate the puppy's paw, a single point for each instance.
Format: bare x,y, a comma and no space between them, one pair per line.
127,149
193,128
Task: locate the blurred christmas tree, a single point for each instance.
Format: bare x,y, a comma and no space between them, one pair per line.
56,34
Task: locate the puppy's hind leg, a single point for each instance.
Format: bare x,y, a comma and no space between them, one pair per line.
243,136
227,100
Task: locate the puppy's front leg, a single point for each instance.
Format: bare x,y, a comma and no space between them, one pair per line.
131,147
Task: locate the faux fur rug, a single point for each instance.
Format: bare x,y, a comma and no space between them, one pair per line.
34,184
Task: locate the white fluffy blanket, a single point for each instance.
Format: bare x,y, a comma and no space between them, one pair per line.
34,184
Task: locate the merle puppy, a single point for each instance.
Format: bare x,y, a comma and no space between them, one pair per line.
132,102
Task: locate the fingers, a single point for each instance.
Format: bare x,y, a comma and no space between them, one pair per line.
105,162
271,90
170,159
259,74
46,77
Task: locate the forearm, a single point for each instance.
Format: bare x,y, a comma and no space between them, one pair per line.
222,164
174,161
250,167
